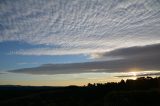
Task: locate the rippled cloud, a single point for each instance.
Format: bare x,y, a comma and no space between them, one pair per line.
79,26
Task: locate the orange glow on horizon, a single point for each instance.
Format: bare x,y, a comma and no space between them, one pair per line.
135,70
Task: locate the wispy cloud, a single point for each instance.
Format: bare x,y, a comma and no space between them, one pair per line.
79,26
140,74
25,63
134,59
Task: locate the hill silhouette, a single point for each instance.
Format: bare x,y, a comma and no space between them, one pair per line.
144,91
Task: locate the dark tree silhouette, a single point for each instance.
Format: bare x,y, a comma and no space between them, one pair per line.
144,91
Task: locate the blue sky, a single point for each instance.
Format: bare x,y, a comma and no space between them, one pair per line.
13,61
77,36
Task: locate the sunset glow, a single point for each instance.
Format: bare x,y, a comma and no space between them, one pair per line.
74,42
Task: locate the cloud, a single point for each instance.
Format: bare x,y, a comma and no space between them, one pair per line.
130,52
56,51
141,74
79,26
144,58
26,63
2,72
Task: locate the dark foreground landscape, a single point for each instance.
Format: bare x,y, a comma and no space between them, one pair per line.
144,91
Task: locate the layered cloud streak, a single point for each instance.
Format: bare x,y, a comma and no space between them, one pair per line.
146,58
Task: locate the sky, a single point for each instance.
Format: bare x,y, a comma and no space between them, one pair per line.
74,42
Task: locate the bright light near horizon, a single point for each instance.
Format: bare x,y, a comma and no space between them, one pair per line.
133,73
135,70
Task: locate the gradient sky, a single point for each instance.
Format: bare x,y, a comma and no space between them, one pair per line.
66,42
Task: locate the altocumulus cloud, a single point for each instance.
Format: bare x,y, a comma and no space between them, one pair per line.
144,58
71,27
